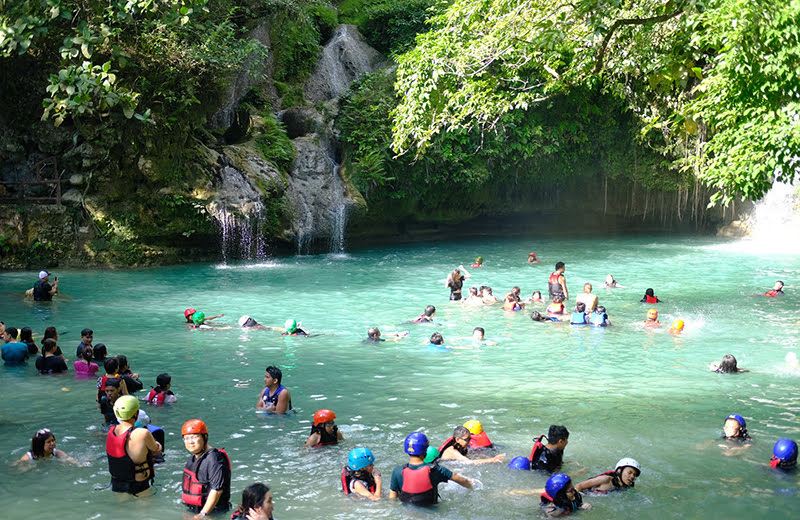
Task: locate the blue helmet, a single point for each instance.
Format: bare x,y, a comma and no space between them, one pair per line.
785,450
520,463
739,419
360,458
416,444
556,483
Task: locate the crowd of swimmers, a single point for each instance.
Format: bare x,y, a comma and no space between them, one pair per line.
134,446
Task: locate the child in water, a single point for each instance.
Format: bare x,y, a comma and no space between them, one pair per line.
652,319
560,497
624,476
734,431
557,307
161,393
359,476
650,297
728,365
427,316
784,455
599,317
324,431
579,315
676,327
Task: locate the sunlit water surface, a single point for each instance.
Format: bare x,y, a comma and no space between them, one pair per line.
621,391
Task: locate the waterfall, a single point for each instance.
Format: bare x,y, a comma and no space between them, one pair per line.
338,226
241,237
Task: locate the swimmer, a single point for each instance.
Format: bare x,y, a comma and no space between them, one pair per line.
472,297
478,262
455,280
579,315
478,334
437,340
676,327
587,298
784,455
557,283
416,482
777,290
536,297
487,296
532,259
374,334
189,315
735,428
560,497
512,301
359,476
599,318
556,307
427,316
292,328
538,316
256,503
26,336
275,397
652,319
479,438
728,365
324,431
610,283
246,322
161,393
43,446
650,297
549,457
623,476
457,448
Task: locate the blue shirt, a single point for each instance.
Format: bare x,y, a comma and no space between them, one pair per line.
15,353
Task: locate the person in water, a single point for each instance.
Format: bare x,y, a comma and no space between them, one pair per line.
784,455
275,397
650,297
472,298
437,340
359,476
599,318
512,301
579,316
735,428
587,298
85,366
13,352
532,259
206,485
557,283
676,328
111,394
43,446
536,297
457,448
42,290
374,334
132,383
87,336
556,307
416,482
478,262
777,290
256,503
292,328
246,322
324,431
652,319
161,393
560,497
538,316
130,450
49,362
52,333
455,281
111,366
487,296
549,457
190,312
26,336
427,316
610,283
622,477
728,365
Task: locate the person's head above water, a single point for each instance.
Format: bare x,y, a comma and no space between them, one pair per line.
290,325
558,435
784,454
374,333
650,292
537,316
734,427
437,339
600,309
628,470
478,333
561,267
587,288
188,313
652,315
728,365
778,285
610,279
580,307
430,310
275,373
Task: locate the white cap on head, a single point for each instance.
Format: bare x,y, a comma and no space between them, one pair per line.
243,320
143,418
43,274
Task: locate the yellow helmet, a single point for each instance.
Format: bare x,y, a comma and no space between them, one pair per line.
474,427
126,407
677,324
652,314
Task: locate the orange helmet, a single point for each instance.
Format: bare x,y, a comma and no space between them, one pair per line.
323,416
194,426
652,314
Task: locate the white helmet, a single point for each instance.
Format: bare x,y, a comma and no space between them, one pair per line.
627,461
243,320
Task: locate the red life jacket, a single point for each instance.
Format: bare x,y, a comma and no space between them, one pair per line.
480,441
537,447
451,442
120,464
417,486
771,293
195,492
155,398
651,299
348,475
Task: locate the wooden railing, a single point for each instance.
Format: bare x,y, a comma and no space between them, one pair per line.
43,173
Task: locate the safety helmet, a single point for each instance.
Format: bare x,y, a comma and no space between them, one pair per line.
677,324
785,450
188,312
194,426
290,325
629,462
126,407
652,314
416,444
474,427
243,320
431,454
360,458
323,416
479,260
739,419
556,483
520,463
199,318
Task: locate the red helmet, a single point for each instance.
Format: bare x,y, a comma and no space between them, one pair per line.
194,426
188,312
323,416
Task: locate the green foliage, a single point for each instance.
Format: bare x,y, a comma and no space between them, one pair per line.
274,145
295,41
391,26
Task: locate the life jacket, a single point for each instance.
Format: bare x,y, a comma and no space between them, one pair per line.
578,318
555,308
349,475
194,492
325,438
650,299
480,441
553,286
537,448
154,397
476,264
451,442
543,458
120,464
771,293
417,486
267,399
569,506
598,319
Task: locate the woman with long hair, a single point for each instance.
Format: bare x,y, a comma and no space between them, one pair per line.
256,503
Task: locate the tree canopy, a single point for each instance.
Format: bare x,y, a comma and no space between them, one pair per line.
715,79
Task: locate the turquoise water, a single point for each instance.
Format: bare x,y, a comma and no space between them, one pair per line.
621,391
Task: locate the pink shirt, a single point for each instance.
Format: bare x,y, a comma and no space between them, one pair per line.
85,370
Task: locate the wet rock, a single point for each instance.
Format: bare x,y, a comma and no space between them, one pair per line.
72,197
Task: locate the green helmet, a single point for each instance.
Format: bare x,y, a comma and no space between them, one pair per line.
199,318
431,455
126,407
290,325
